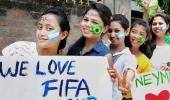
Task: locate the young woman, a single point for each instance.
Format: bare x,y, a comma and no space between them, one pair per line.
160,27
51,34
94,24
123,61
52,31
145,17
139,41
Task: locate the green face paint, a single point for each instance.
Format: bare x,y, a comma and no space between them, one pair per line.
142,39
96,29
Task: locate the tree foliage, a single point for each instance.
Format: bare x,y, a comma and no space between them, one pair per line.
164,4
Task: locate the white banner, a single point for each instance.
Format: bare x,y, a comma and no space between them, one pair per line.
152,86
54,78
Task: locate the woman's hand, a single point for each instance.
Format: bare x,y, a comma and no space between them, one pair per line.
145,9
122,80
113,74
125,81
146,5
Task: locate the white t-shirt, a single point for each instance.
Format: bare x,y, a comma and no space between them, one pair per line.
122,60
21,48
161,55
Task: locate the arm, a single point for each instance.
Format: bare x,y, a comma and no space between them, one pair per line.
128,73
145,10
111,70
126,81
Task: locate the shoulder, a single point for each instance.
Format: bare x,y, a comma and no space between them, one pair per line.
101,48
20,48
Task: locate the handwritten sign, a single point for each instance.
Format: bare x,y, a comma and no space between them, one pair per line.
152,86
54,78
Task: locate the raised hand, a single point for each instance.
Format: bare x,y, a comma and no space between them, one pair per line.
145,9
113,74
125,80
111,70
123,84
146,4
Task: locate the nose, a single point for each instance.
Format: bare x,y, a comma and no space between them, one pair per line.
112,34
137,35
157,25
88,23
42,32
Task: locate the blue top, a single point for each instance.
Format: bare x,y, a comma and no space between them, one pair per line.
100,49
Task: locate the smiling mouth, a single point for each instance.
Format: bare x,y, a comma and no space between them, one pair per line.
86,30
135,40
41,40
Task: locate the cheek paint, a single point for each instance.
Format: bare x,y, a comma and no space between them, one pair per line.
142,39
92,13
96,29
44,18
164,27
53,35
120,35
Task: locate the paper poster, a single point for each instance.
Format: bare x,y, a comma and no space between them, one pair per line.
54,78
152,86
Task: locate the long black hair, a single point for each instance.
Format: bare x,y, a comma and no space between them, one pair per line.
64,23
145,47
104,13
167,21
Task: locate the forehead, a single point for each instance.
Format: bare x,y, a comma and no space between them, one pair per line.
92,14
139,28
115,24
158,18
49,18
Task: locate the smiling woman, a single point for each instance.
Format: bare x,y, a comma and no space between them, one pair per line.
51,34
93,26
159,28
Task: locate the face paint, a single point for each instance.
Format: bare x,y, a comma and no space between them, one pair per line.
92,13
53,35
142,39
120,35
96,29
164,27
44,18
48,19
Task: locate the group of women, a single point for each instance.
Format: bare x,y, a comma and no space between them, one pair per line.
139,48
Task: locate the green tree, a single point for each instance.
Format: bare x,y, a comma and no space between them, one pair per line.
164,4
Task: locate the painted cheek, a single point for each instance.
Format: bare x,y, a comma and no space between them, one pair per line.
164,27
142,39
120,35
96,29
54,35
